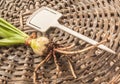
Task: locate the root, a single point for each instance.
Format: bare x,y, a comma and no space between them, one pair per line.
79,51
53,50
71,68
56,63
38,66
68,47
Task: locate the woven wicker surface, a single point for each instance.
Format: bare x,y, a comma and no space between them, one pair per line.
93,18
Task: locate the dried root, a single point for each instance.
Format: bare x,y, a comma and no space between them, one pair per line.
54,48
38,66
71,68
79,51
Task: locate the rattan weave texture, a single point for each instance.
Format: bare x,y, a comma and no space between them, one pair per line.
96,19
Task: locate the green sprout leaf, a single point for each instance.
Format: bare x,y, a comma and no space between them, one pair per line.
10,35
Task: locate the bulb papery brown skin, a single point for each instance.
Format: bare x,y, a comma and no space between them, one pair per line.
39,45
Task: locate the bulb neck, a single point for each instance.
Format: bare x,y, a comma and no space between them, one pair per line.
29,39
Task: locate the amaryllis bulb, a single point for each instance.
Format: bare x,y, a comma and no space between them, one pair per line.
39,45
